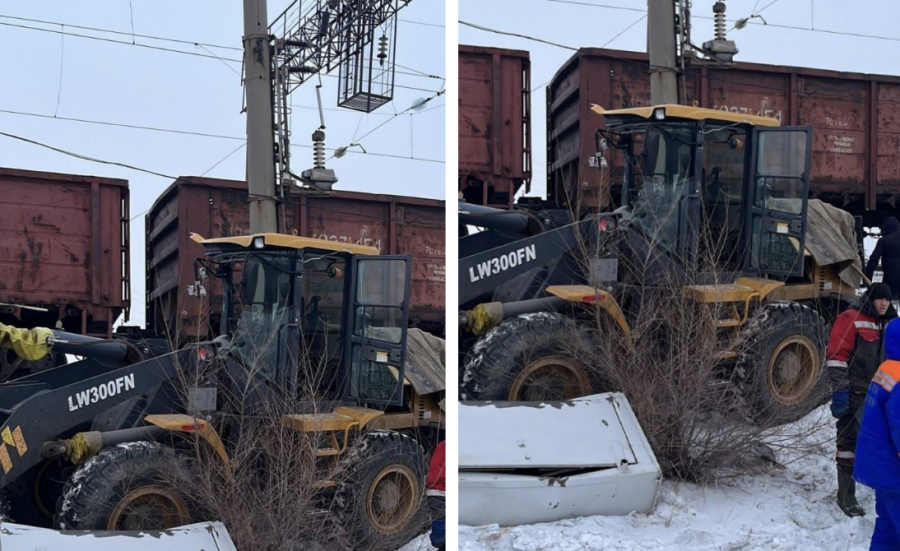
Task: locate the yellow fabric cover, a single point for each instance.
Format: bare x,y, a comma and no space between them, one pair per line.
30,344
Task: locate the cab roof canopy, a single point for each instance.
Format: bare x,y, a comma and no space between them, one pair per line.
277,240
684,112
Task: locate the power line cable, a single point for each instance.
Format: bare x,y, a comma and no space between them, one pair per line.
646,65
737,22
516,35
418,72
62,60
422,23
85,157
110,40
209,55
588,4
201,134
605,44
124,125
131,11
408,109
112,31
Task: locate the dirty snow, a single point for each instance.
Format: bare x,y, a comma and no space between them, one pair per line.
421,543
784,509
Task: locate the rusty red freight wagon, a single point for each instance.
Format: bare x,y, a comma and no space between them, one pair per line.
182,310
63,253
855,119
494,124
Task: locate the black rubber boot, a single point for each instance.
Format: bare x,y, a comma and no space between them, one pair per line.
846,496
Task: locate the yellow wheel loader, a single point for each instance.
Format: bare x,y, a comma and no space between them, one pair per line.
313,332
715,207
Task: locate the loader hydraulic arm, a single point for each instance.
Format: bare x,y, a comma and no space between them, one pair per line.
481,273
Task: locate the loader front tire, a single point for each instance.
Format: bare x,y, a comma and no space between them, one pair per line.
783,364
132,486
381,493
532,358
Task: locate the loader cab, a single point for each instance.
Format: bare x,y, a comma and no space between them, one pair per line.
312,317
713,190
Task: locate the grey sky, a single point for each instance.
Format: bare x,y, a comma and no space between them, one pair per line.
585,26
134,85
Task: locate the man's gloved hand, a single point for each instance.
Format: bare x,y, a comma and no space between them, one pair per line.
840,403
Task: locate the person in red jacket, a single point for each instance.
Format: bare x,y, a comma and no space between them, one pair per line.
435,491
854,353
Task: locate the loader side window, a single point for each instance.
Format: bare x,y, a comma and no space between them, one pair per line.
780,188
380,297
379,330
781,164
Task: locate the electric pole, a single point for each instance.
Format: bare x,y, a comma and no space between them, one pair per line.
260,132
661,47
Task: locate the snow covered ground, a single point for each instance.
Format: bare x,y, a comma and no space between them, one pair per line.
422,543
789,508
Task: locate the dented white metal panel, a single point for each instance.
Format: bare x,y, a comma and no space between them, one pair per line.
510,499
203,536
521,435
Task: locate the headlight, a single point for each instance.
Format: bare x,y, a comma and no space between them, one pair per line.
659,113
259,242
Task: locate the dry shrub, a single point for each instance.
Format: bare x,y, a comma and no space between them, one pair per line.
700,408
272,496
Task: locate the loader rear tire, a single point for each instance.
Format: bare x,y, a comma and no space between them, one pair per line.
783,364
132,486
533,357
381,493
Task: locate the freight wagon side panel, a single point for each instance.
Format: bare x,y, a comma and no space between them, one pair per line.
218,208
420,233
64,247
855,120
494,124
182,310
887,117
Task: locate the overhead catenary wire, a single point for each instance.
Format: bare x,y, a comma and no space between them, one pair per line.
122,33
207,171
131,12
198,134
209,55
408,109
605,44
690,73
153,172
62,61
85,157
735,21
422,23
124,125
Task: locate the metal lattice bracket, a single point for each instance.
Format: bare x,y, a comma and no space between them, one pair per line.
357,37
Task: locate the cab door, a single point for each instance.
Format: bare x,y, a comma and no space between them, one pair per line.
377,316
778,200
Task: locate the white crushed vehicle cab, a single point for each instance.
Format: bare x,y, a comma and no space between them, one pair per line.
531,462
